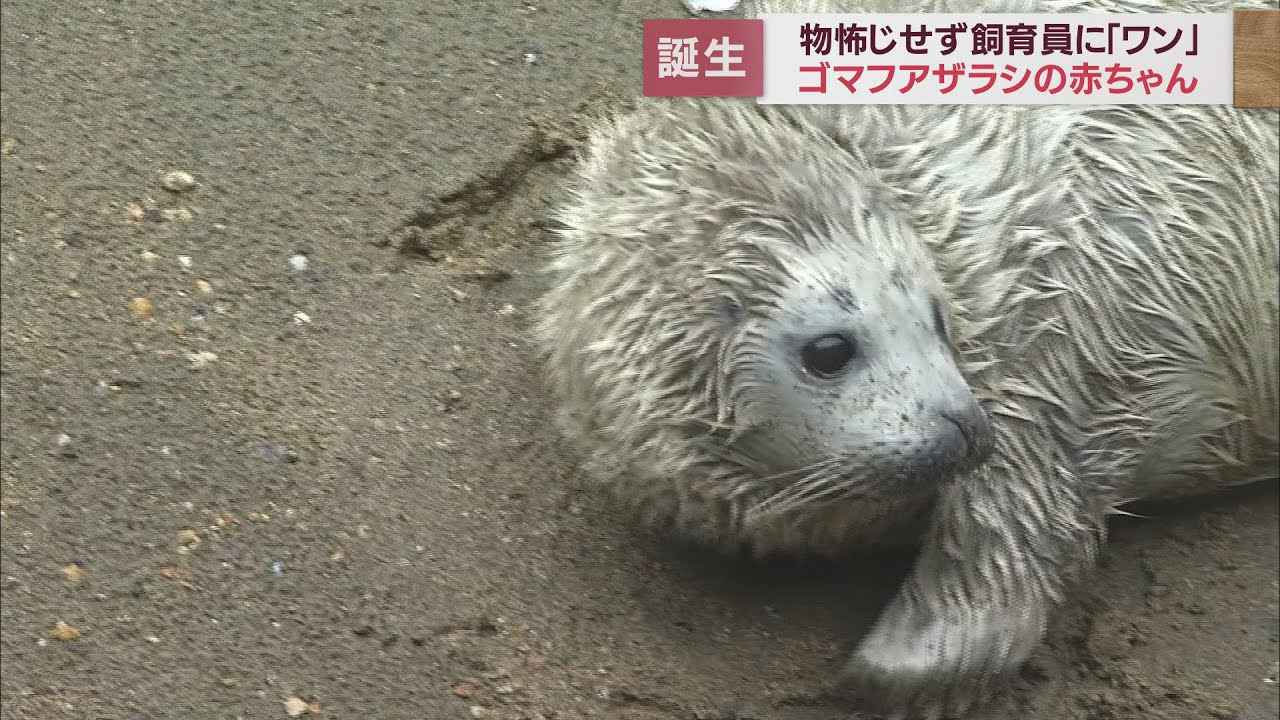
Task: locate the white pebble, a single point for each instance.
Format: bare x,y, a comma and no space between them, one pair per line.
148,256
201,359
298,262
178,181
184,261
711,5
301,318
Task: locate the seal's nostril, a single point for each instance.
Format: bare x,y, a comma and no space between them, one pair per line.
962,426
974,428
965,430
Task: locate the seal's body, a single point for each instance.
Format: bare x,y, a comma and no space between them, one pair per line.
815,327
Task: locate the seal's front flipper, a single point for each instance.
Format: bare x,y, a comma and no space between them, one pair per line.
993,567
929,663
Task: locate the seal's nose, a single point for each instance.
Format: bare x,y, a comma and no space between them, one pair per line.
975,427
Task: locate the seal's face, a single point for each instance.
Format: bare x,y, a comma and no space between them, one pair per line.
745,320
856,391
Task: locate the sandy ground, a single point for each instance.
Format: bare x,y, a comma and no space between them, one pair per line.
361,506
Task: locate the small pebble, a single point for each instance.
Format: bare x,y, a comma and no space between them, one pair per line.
178,181
136,212
141,308
464,689
200,359
204,287
298,262
64,447
710,5
277,568
277,453
7,145
148,256
177,214
295,706
64,632
301,318
507,309
530,58
184,261
153,639
188,538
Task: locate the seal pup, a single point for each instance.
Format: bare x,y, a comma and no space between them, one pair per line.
806,328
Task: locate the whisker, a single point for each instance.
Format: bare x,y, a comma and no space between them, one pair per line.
784,475
822,483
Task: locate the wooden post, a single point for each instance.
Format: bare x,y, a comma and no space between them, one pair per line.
1257,58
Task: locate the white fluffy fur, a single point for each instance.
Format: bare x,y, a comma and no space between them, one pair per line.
1114,275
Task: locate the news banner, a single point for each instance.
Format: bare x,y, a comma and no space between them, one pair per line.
1023,59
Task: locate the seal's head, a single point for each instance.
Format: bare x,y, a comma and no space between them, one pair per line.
845,379
749,336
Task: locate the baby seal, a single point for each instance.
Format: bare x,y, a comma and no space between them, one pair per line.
810,328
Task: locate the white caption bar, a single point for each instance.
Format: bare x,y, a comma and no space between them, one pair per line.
975,59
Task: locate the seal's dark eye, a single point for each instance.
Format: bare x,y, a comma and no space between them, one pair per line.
827,355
